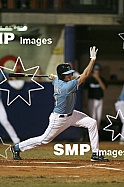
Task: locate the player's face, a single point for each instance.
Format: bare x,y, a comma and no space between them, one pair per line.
96,72
68,77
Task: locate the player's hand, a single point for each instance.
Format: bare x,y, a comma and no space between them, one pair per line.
93,52
50,76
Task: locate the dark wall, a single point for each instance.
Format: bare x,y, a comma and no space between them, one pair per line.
30,121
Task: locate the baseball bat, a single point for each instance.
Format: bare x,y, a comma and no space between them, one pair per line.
25,75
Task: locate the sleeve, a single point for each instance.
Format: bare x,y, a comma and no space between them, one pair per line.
55,79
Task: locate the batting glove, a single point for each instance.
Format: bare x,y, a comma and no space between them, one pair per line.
50,76
93,52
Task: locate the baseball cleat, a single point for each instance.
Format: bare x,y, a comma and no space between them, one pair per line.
99,158
15,153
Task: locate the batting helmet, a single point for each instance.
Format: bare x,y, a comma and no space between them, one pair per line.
64,69
97,67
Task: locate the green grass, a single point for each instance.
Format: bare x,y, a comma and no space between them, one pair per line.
40,181
46,152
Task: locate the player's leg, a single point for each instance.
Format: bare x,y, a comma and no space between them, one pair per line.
56,126
6,124
92,108
99,112
80,119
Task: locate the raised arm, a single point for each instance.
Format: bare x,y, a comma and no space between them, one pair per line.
88,69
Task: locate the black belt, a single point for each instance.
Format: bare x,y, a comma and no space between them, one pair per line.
65,115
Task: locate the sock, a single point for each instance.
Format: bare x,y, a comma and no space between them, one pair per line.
16,146
94,154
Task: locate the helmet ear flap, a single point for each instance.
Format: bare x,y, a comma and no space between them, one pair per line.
61,77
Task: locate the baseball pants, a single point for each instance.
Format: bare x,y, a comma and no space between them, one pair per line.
6,124
58,124
95,109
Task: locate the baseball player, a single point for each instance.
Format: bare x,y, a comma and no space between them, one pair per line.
4,120
64,115
95,85
120,105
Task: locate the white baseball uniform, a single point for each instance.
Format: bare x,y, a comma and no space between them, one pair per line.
64,116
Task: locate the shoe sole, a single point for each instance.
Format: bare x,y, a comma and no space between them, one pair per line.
92,160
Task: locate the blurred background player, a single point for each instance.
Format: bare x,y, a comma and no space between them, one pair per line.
95,86
4,120
120,105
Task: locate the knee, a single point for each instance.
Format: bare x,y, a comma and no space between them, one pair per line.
93,124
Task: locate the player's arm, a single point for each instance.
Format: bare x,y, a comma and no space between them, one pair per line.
88,69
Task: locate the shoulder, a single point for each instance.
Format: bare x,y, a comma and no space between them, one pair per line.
72,82
55,80
71,85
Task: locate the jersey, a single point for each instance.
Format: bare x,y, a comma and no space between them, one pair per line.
64,95
94,89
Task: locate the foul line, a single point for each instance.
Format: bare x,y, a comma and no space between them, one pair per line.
67,167
42,162
48,162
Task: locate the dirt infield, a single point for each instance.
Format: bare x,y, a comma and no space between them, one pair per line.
80,170
112,171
